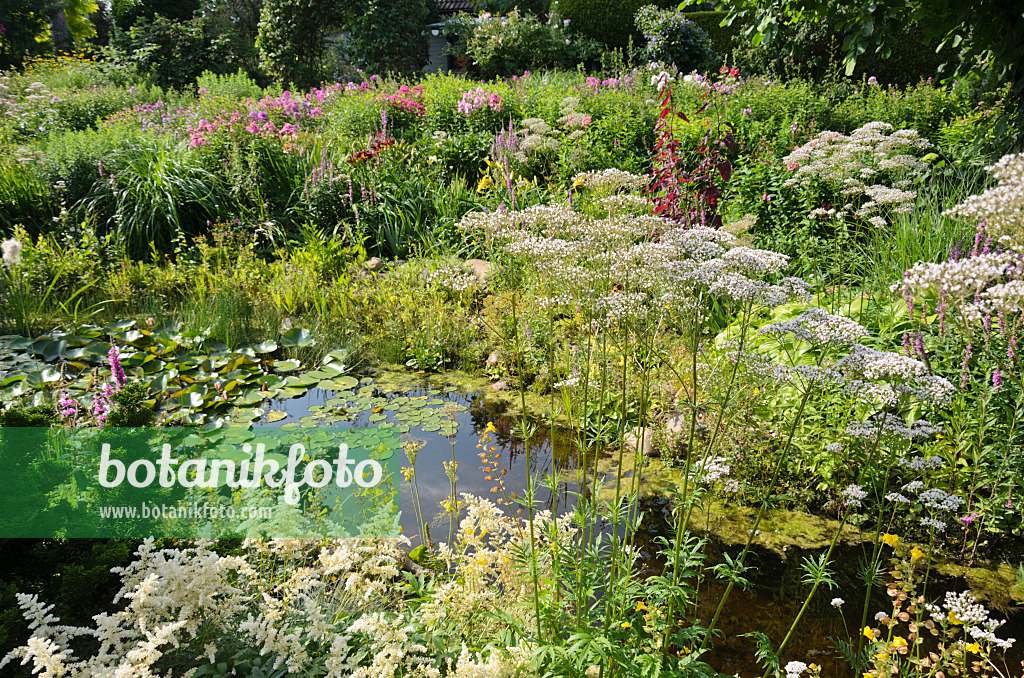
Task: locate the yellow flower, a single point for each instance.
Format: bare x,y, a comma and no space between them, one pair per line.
640,606
899,641
868,633
916,554
973,647
578,182
939,436
891,539
625,625
953,620
490,427
868,675
484,183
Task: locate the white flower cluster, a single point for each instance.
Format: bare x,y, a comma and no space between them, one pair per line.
11,250
963,608
611,180
453,279
794,669
940,500
711,470
960,278
923,463
818,328
887,426
846,162
854,495
904,376
1001,207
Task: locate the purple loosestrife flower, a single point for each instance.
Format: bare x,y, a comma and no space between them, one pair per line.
102,404
997,379
115,367
68,407
969,518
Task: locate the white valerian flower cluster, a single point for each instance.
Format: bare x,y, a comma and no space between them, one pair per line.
964,609
960,278
1001,207
453,279
853,495
888,426
818,328
633,266
795,669
870,153
903,376
611,180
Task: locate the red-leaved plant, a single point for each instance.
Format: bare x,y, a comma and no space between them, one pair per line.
690,196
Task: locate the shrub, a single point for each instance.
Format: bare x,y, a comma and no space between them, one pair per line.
388,36
514,43
609,22
723,38
672,39
230,85
813,50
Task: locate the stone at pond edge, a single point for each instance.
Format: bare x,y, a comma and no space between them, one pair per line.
480,269
375,264
499,385
641,439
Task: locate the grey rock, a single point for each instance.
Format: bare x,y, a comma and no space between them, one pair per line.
480,269
375,264
641,440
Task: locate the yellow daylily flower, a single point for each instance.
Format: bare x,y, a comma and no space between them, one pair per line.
892,540
484,183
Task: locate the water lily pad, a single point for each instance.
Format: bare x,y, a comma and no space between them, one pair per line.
297,337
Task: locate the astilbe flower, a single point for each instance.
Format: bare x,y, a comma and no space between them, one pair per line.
11,251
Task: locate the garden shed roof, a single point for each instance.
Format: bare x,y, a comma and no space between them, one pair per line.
454,6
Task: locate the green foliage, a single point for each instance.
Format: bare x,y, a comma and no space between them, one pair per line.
238,86
610,22
389,37
812,50
169,53
516,42
723,38
673,39
130,407
26,29
159,191
291,39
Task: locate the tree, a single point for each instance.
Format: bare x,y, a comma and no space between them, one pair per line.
291,39
388,36
25,29
992,31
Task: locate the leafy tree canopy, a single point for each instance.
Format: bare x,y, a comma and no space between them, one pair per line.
992,31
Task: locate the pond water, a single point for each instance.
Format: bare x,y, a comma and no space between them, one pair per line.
769,607
547,450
